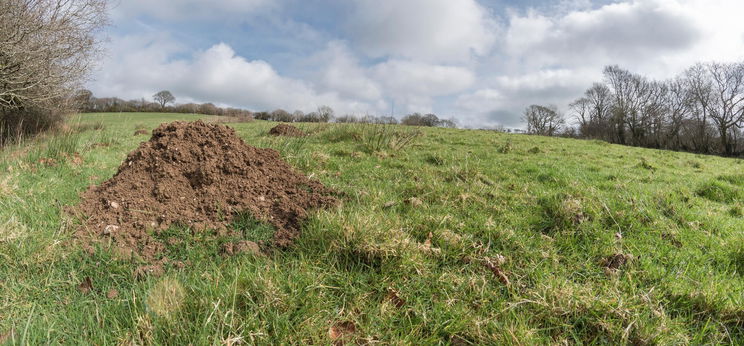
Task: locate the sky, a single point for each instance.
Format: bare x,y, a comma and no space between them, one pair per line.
480,62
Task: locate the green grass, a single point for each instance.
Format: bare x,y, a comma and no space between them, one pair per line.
405,258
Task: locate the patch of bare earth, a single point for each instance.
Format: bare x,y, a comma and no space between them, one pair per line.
286,130
196,175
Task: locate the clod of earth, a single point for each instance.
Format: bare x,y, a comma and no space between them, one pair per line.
86,285
286,130
341,330
394,298
239,247
200,176
494,265
616,261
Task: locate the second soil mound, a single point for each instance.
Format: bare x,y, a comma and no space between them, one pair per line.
197,175
286,130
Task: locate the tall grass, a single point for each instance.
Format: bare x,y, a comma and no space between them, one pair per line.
374,137
59,146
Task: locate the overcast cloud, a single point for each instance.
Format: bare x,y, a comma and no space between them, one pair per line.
481,62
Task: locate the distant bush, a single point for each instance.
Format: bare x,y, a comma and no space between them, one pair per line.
430,120
367,119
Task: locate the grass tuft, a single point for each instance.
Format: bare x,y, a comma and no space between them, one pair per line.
718,191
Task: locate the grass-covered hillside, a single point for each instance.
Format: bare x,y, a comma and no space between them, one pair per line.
443,236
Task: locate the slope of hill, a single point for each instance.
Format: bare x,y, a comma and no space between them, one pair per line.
453,236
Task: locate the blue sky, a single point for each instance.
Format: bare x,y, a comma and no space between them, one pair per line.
478,61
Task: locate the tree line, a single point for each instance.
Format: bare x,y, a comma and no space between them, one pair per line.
700,110
164,102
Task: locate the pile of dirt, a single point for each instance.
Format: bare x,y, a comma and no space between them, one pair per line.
286,130
197,175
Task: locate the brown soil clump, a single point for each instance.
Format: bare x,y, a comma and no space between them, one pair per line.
197,175
616,261
286,130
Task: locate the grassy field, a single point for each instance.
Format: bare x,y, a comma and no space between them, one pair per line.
458,237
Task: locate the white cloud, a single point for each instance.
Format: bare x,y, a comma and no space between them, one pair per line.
425,30
552,57
444,56
217,75
622,32
504,102
413,84
339,70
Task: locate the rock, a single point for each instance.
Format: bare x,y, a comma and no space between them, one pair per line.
110,229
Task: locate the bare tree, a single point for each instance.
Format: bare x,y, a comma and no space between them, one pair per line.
690,112
628,92
325,114
47,49
728,107
163,98
581,109
678,101
282,116
700,87
592,111
298,115
542,120
600,99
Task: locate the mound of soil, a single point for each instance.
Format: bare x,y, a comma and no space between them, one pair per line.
197,175
286,130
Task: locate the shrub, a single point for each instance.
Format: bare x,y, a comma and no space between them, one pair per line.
18,124
429,120
46,48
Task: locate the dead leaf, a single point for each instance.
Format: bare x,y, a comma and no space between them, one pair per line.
341,330
233,340
395,299
86,286
496,270
499,259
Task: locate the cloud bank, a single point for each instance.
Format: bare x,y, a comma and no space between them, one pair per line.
466,59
